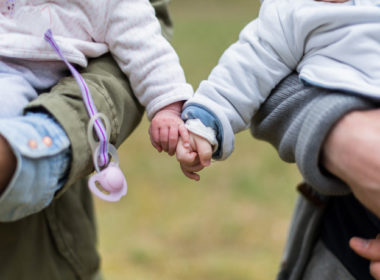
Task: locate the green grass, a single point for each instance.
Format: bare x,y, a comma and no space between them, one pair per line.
231,225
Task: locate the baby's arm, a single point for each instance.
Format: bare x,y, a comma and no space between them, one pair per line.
166,127
134,37
152,66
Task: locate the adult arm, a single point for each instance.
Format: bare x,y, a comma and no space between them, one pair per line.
296,119
329,135
351,153
322,131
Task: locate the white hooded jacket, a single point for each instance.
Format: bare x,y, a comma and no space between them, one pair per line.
330,45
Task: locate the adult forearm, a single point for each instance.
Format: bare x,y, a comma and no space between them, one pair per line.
351,153
296,120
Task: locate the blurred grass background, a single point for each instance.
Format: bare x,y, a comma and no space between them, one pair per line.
232,225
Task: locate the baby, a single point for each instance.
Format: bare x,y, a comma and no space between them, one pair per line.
85,29
331,44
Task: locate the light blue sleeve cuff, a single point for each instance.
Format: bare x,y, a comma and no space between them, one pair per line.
43,154
209,120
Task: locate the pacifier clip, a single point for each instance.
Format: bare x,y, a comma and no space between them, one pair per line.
108,183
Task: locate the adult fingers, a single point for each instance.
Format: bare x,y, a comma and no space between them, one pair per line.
374,269
367,248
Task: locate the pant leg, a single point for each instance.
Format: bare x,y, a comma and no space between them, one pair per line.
15,94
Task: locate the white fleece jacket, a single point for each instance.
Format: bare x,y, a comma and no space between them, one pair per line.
331,45
90,28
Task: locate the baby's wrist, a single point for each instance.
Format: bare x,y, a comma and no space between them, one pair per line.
196,126
174,107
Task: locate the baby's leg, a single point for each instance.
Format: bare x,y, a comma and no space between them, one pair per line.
15,94
22,80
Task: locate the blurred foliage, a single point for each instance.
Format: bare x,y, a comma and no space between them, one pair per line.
232,225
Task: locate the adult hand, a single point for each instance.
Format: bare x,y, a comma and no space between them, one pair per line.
352,153
7,164
369,249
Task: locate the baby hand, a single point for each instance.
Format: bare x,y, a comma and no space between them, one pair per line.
166,127
195,157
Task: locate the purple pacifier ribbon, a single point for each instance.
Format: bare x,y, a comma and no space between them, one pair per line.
88,101
109,183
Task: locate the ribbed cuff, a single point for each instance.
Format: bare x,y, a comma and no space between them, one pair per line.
323,113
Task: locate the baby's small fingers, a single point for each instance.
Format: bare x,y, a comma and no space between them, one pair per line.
205,152
157,147
185,156
173,140
195,167
164,135
189,174
184,133
154,138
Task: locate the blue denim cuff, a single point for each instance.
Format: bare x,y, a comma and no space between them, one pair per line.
43,154
209,120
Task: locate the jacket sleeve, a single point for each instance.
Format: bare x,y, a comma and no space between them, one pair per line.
296,119
247,72
135,40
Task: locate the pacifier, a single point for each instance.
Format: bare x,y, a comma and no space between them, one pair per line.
109,183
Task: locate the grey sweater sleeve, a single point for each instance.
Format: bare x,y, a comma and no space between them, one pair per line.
296,119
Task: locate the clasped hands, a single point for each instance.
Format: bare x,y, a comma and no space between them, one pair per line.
168,133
